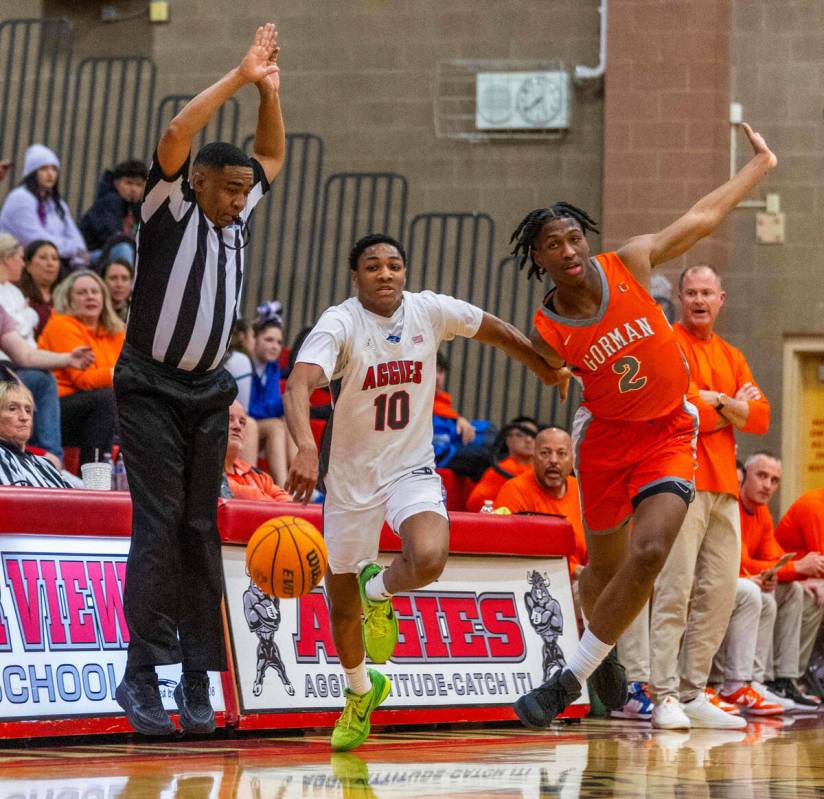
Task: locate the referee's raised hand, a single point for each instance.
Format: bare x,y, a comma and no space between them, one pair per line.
260,62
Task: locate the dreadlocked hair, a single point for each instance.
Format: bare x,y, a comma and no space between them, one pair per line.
526,233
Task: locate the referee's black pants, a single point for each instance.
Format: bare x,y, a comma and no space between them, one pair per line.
173,432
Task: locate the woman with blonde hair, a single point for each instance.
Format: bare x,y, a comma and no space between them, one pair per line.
84,316
18,467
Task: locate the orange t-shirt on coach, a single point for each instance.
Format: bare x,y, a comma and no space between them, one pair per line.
525,493
716,365
801,529
491,481
626,355
759,547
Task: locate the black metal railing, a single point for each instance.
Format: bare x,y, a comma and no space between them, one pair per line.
111,112
283,233
354,204
35,72
222,127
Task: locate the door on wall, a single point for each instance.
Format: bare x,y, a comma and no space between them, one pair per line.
802,414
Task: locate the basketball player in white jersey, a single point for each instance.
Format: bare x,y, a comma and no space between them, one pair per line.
377,351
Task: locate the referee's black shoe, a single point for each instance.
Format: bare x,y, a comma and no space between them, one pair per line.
139,695
192,698
610,682
542,704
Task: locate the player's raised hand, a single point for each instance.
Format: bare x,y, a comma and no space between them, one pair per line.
259,65
303,475
759,146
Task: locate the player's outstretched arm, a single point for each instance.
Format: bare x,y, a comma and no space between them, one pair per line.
642,253
303,473
516,345
257,65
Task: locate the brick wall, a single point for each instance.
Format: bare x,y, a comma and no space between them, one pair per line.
665,118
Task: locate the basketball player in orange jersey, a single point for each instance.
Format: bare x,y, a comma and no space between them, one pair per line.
635,433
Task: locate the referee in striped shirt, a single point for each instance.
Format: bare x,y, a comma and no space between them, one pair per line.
173,394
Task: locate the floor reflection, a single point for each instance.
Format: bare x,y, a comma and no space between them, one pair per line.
770,759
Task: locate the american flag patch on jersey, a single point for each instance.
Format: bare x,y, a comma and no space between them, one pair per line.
417,339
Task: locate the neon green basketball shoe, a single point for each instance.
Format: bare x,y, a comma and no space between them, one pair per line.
353,726
380,625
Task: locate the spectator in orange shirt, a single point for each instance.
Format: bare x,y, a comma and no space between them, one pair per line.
84,317
695,591
549,487
801,530
519,438
245,481
759,657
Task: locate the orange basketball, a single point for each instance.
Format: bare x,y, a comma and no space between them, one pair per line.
286,557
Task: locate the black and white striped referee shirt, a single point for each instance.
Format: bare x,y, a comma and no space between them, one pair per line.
188,273
24,469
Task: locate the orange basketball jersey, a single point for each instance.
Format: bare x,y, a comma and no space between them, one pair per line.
627,355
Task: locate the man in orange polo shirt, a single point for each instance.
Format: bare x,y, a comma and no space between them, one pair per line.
549,487
519,436
246,481
801,530
695,591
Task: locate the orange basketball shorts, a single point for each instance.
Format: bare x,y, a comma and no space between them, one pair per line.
619,462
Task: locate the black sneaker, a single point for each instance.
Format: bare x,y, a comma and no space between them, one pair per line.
537,708
787,689
192,698
138,694
610,682
813,682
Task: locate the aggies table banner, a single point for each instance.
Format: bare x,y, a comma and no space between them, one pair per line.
490,629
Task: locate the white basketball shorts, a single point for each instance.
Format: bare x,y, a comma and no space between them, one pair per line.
354,535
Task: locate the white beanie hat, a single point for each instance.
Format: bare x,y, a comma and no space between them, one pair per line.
36,156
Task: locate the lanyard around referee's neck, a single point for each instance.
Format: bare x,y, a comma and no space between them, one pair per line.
245,236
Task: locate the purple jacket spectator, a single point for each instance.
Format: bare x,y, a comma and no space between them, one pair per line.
34,210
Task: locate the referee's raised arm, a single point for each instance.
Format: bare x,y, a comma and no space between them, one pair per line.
259,66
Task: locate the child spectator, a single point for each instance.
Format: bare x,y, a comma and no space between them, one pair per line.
40,276
35,210
84,316
118,275
266,404
115,211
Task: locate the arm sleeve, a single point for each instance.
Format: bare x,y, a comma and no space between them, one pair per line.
73,241
161,188
767,553
707,415
790,534
325,345
59,336
758,421
260,186
452,317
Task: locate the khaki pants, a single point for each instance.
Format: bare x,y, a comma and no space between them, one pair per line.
694,596
810,625
777,652
736,655
633,647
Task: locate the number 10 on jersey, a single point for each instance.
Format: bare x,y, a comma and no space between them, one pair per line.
392,411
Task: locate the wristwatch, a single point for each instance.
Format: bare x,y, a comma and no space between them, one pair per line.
722,401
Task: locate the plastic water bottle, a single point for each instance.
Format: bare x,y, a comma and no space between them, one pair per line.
119,480
488,507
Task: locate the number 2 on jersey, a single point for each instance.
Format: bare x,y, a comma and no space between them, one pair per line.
627,369
392,411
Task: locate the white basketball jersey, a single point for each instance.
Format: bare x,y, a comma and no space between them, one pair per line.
381,372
